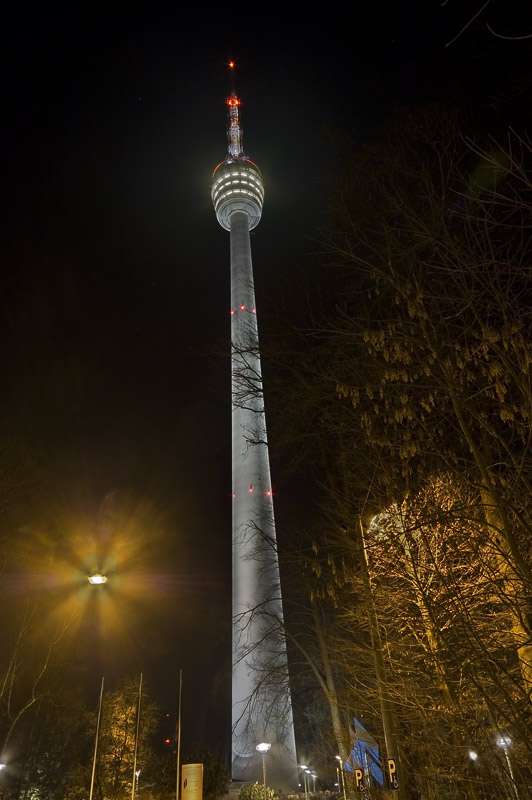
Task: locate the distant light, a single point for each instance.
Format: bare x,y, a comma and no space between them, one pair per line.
250,489
303,766
268,493
167,741
263,747
504,741
232,312
231,64
97,579
2,766
242,307
253,310
472,755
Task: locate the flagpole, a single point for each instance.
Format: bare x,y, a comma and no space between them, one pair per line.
136,739
96,741
179,734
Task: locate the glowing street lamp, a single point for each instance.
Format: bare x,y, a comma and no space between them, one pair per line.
305,770
473,755
97,579
504,741
338,758
263,748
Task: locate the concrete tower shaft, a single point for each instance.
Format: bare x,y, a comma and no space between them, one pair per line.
261,703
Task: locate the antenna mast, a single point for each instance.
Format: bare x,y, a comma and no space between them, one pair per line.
234,130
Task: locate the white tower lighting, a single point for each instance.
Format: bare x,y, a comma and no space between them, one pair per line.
261,703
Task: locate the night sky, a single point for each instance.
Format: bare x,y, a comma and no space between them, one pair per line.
115,292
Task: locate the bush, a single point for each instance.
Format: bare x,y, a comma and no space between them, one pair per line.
255,791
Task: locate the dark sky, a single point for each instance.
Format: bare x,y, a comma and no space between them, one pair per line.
115,300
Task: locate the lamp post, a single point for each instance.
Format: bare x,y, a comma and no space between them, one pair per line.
504,741
314,776
338,758
304,768
473,755
263,748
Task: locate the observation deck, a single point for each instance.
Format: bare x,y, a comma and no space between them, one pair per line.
237,186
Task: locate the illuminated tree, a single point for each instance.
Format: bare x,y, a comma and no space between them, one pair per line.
117,738
412,380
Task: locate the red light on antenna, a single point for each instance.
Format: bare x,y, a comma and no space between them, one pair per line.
251,489
242,307
231,64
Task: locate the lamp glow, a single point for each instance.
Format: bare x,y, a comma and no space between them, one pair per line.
97,579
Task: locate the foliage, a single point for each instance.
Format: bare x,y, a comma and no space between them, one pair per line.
256,791
117,738
412,378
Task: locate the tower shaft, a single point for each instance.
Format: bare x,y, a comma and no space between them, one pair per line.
260,695
261,702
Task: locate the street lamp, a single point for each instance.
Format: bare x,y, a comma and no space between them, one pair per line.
314,776
263,748
473,755
338,758
97,579
504,741
304,768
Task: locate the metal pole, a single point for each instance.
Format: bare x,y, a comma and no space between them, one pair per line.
139,701
179,734
510,770
343,778
96,742
264,773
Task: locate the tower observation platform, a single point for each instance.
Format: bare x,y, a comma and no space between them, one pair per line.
261,702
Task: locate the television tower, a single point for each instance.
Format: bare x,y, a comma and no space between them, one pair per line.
261,702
